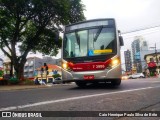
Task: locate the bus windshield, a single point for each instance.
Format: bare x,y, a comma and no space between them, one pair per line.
89,42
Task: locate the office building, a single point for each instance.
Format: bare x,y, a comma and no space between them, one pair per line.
34,62
139,49
128,62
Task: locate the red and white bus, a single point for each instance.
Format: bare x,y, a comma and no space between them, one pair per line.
91,52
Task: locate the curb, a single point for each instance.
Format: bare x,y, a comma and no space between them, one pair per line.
21,87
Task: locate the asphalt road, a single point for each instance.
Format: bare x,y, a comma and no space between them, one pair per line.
131,95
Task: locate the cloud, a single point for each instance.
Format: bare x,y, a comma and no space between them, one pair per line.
130,14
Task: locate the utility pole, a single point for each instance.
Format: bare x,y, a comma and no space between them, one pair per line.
156,56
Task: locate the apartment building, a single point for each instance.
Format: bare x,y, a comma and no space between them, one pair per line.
30,66
34,62
139,49
128,62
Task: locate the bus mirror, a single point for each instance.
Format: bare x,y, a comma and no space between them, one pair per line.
121,41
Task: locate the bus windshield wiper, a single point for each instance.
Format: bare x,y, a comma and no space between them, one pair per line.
78,38
98,33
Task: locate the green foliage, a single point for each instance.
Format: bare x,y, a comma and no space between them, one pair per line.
34,25
13,81
1,73
56,75
28,82
76,11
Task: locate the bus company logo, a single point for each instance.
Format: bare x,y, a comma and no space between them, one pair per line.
77,68
21,114
6,114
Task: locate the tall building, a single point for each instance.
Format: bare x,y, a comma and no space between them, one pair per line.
128,62
144,46
139,46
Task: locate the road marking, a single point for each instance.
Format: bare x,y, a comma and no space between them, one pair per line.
69,99
152,81
145,81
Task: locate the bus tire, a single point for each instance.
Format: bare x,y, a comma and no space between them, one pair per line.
81,84
116,82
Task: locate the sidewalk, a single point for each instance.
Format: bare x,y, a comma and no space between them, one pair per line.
22,87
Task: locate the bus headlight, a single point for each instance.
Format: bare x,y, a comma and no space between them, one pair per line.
115,62
65,65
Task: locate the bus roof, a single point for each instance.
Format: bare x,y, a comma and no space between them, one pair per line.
95,22
91,20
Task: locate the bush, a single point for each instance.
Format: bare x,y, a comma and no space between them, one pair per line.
13,81
56,75
4,81
29,82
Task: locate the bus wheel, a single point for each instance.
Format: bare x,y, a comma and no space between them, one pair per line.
81,83
116,82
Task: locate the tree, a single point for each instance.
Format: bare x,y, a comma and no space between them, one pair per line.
1,73
34,25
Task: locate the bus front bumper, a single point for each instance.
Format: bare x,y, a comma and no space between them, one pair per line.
101,75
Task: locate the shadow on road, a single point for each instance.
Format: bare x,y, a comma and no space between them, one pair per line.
97,86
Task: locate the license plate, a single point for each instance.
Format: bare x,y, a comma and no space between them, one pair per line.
88,77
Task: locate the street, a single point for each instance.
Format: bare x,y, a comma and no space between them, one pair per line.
131,95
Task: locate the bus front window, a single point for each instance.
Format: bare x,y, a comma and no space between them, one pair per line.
102,41
91,42
75,44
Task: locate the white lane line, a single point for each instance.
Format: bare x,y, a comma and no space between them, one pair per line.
147,81
69,99
152,81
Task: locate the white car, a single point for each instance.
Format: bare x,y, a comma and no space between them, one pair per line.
136,75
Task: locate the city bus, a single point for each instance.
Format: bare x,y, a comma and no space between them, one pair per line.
91,52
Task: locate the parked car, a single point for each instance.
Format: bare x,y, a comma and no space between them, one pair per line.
136,75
